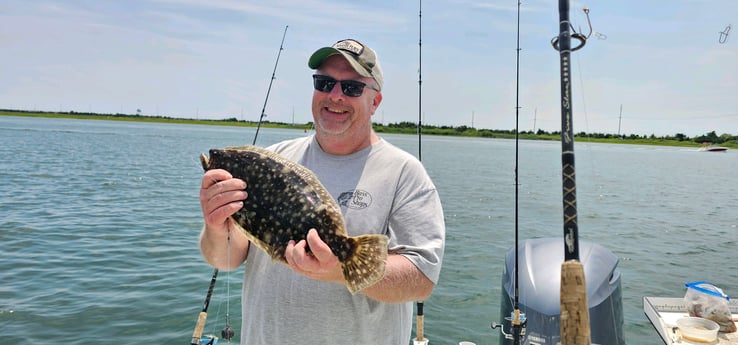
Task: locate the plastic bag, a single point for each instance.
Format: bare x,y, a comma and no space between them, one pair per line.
710,302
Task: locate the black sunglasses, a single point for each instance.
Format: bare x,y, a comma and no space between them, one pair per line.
350,88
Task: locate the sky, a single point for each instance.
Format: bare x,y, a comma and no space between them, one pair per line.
660,60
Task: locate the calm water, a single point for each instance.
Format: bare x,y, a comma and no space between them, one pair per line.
99,223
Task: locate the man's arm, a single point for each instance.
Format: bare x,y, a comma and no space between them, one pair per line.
402,282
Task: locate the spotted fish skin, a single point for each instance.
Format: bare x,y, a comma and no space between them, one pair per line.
285,200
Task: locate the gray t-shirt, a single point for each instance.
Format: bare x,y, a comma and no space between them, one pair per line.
381,190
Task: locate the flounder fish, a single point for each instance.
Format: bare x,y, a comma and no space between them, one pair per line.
285,200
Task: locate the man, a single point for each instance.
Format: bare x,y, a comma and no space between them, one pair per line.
381,190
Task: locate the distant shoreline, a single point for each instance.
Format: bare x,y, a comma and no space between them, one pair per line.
401,128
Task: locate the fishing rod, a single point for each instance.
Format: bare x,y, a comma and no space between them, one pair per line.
419,327
227,332
516,318
420,318
200,325
263,109
574,318
420,79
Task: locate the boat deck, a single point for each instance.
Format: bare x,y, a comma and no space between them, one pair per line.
663,313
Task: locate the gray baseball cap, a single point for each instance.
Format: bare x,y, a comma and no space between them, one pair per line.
362,58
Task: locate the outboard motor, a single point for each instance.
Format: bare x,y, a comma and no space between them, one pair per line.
539,291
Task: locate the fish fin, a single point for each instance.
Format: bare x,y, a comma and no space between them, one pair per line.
366,266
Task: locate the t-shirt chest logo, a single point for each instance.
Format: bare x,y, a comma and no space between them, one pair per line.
356,199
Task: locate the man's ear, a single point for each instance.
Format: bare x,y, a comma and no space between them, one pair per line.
376,101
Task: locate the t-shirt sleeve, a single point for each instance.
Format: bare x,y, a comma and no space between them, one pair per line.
416,225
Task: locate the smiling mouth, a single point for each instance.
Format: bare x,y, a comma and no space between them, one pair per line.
335,111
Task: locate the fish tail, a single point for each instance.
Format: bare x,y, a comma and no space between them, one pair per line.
365,266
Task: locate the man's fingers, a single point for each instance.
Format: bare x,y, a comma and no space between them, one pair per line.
219,189
212,177
288,252
295,254
218,215
221,199
320,249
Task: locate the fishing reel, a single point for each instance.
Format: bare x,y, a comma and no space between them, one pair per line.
227,333
517,326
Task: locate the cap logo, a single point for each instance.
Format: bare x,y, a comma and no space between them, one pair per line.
350,46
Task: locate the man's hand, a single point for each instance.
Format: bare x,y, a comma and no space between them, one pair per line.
221,195
319,264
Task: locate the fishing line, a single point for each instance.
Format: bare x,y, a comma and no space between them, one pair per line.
583,98
586,116
594,158
227,332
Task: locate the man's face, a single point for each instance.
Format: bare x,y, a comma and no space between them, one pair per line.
337,114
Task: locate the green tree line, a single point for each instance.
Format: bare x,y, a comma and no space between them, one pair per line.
407,127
